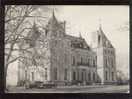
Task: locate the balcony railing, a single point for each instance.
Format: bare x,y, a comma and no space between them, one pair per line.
85,64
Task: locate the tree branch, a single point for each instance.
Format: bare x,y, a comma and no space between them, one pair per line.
14,18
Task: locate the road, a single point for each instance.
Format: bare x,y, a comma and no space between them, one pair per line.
76,89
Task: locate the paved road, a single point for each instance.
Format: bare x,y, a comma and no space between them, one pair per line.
76,89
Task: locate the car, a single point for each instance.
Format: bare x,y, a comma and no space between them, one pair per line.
36,84
49,85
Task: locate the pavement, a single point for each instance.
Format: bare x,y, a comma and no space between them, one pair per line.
75,89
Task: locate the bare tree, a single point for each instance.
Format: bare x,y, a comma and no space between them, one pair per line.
121,77
124,27
17,25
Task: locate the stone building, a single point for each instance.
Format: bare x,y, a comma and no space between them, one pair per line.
56,57
106,58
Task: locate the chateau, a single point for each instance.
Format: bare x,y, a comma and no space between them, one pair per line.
56,57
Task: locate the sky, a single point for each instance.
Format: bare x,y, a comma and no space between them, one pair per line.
86,19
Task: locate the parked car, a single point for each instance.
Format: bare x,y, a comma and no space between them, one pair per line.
39,84
36,84
49,85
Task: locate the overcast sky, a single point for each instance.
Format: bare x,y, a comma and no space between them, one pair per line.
86,19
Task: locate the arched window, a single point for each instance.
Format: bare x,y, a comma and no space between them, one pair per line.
99,39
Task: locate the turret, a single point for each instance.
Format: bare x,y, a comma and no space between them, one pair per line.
55,28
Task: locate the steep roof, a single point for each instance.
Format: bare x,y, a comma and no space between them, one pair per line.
78,42
54,23
107,42
53,19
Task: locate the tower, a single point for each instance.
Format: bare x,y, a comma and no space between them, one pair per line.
55,33
54,28
106,60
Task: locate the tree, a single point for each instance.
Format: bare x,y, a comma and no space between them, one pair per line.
17,24
121,78
124,27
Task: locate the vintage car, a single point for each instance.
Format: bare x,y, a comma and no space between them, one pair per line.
39,84
49,85
36,84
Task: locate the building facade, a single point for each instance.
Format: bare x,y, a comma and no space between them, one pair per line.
106,59
54,56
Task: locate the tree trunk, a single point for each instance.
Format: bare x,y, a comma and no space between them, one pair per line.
5,76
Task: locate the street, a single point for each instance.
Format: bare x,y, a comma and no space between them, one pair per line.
75,89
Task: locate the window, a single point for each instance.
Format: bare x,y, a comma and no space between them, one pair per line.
112,75
99,39
110,52
73,62
46,74
65,75
94,63
104,51
94,76
26,74
78,75
112,63
89,76
88,62
81,60
32,74
65,58
55,73
74,75
106,62
82,76
106,75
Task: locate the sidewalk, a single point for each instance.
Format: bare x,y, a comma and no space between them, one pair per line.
63,87
87,86
74,89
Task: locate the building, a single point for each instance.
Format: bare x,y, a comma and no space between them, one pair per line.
106,59
54,56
